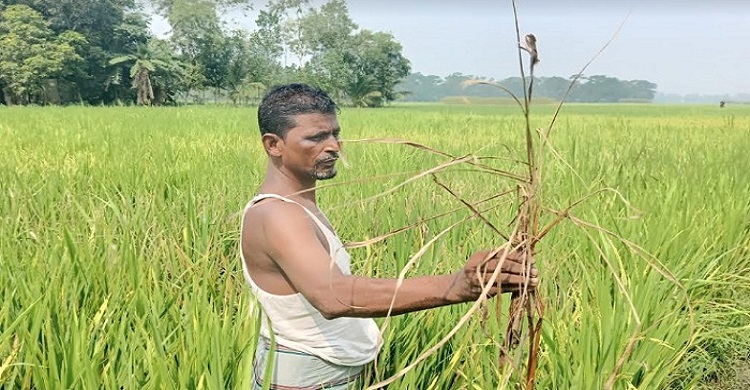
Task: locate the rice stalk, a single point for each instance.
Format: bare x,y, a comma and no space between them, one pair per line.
526,301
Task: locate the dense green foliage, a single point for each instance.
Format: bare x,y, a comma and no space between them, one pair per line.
119,244
111,28
103,52
31,54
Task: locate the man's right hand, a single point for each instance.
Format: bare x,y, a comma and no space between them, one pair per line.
477,273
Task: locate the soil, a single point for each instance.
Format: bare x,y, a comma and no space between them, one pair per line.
737,380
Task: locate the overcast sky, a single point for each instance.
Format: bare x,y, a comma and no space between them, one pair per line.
686,46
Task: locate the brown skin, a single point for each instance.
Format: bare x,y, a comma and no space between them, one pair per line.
287,253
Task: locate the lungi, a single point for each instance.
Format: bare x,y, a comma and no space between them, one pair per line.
295,370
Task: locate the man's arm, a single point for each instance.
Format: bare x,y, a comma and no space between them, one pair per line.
295,247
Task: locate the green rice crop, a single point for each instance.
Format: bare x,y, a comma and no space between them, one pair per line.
119,228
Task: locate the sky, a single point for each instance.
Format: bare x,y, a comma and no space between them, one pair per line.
684,47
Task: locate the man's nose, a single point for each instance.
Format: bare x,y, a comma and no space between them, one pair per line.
333,144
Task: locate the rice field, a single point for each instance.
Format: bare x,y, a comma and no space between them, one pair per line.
119,228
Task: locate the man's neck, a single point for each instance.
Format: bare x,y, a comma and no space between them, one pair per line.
288,188
279,182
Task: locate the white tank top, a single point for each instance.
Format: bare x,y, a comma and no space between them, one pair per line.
297,324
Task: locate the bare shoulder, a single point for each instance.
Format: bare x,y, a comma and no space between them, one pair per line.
271,230
272,219
269,212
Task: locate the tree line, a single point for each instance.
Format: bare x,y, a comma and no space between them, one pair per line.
590,89
102,52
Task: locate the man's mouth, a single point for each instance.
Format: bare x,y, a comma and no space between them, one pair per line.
328,161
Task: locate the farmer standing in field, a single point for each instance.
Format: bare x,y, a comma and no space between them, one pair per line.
321,315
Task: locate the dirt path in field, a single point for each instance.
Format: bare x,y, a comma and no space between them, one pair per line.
739,380
743,376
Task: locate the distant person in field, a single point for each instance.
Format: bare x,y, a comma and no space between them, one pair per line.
320,315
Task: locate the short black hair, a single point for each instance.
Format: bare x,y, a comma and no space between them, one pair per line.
282,102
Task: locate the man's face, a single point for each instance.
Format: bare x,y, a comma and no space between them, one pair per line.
312,146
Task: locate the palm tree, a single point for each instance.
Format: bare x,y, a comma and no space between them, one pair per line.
363,91
148,59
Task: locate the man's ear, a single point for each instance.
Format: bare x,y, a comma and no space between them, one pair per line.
273,144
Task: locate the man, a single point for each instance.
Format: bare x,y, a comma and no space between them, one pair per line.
318,314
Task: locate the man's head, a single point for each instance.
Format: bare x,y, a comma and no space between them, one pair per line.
300,132
282,103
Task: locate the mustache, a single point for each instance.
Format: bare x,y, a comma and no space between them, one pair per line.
331,158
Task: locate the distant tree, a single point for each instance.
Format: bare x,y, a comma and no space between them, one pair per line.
420,87
252,58
552,87
266,48
605,89
249,69
164,7
238,69
327,28
453,85
267,38
375,62
324,36
362,66
32,53
197,34
152,61
168,79
641,89
602,89
291,13
515,85
362,90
